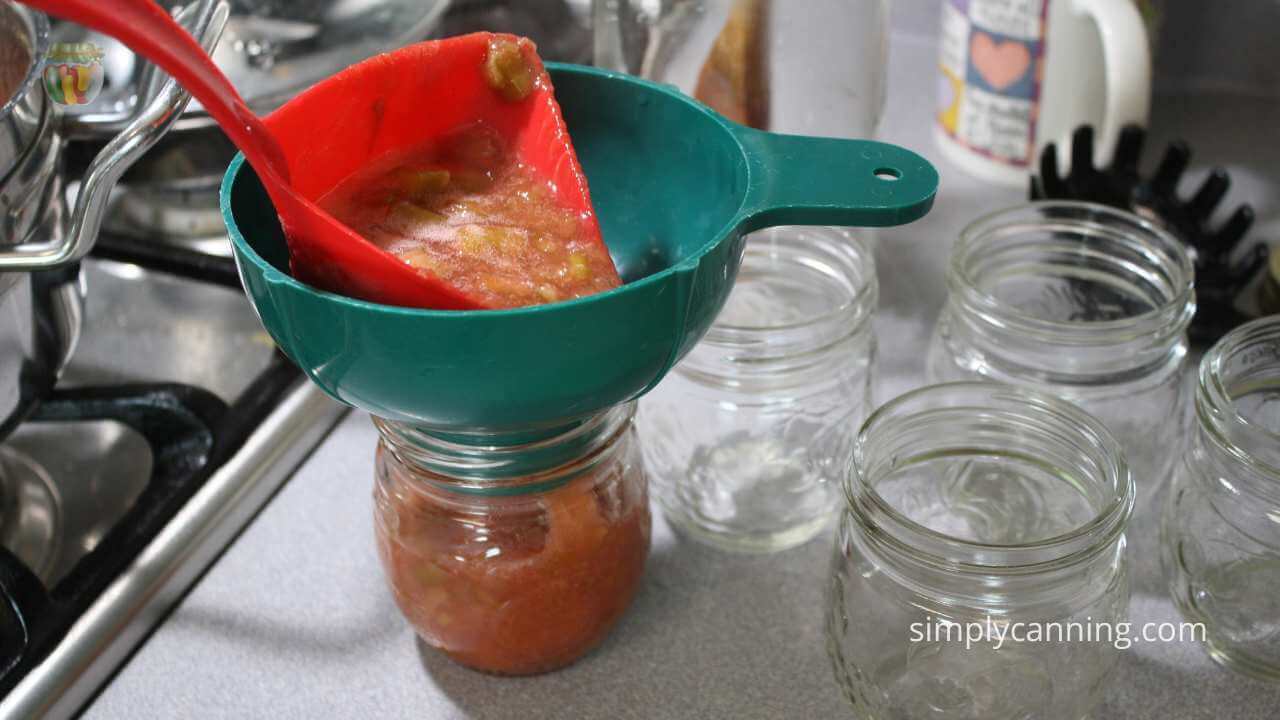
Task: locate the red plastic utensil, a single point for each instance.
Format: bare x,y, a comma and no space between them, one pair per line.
393,101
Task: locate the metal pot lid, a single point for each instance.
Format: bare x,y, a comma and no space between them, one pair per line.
273,49
24,39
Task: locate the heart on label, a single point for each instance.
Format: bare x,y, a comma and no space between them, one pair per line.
1000,64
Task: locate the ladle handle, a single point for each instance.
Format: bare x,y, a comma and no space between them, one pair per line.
798,180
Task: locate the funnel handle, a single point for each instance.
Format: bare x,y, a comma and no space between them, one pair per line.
798,180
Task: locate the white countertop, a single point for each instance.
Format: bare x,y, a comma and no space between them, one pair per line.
294,621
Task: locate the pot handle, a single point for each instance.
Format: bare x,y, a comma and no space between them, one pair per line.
206,18
797,180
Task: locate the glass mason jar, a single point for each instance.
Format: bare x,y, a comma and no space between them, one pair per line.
979,568
1085,302
1221,533
744,437
513,557
812,68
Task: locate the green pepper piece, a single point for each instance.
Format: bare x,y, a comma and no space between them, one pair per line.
508,71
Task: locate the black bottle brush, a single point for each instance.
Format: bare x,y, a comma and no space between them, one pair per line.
1220,276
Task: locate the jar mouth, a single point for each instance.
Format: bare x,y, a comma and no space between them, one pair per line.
1074,273
795,279
948,442
1239,382
799,292
509,463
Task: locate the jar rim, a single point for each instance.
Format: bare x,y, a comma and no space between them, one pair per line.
1169,318
940,549
499,464
854,257
1215,406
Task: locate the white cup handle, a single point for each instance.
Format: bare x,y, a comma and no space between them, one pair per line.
1126,56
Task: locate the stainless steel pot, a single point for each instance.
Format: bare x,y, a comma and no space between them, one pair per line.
271,50
39,312
41,294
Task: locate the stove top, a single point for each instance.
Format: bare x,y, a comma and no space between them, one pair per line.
174,423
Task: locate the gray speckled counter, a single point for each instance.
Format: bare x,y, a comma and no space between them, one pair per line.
294,620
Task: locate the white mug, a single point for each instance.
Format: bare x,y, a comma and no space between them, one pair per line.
1016,75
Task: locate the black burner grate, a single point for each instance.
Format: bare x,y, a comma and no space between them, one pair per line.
191,433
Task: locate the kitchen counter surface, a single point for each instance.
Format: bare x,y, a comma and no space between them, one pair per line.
294,621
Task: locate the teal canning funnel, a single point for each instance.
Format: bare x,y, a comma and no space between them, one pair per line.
675,186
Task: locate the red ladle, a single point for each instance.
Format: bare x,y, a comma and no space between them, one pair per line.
323,251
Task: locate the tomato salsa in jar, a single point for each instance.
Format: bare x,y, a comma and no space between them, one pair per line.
516,558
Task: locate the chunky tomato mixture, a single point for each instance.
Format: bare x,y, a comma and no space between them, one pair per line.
513,585
465,211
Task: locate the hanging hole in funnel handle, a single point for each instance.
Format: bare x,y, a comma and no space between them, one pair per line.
799,180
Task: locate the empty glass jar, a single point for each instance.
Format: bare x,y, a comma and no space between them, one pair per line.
1085,302
979,568
513,555
744,438
1221,532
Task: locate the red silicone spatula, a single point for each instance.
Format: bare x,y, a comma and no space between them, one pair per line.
388,102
